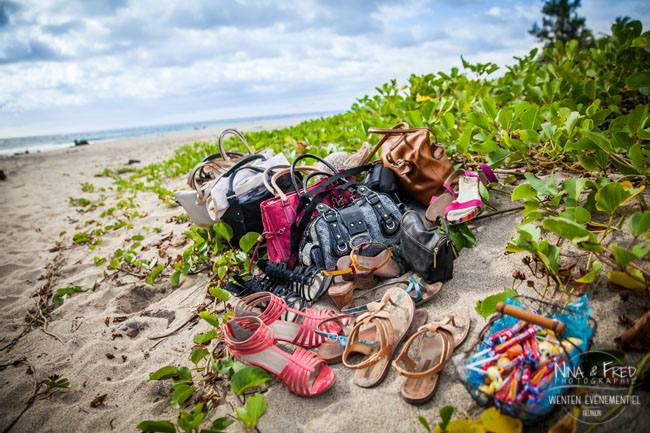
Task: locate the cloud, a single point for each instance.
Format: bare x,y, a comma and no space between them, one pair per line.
151,57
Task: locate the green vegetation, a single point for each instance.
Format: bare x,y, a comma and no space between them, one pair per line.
574,128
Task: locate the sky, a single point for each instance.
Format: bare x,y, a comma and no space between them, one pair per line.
81,65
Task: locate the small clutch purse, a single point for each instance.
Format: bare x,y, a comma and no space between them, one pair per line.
427,251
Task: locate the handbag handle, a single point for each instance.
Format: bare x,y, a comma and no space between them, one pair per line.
246,160
230,194
398,128
519,313
304,156
273,187
237,134
315,173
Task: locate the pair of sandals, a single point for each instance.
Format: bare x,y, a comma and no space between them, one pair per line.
360,272
251,337
378,331
465,205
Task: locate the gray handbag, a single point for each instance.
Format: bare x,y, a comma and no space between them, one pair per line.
334,232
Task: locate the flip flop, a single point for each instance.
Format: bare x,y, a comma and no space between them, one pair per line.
419,290
332,350
392,316
435,347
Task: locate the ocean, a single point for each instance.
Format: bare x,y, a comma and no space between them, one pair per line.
45,143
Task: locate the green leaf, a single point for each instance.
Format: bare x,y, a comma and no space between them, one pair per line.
490,107
255,408
547,188
640,223
137,237
573,231
529,232
463,141
204,338
636,118
248,241
248,377
639,79
573,187
181,393
157,427
505,118
462,236
610,197
185,373
224,230
57,382
229,366
571,121
99,261
219,293
577,214
525,190
625,280
636,156
488,306
446,413
219,425
424,423
529,136
198,355
487,146
589,277
164,373
211,319
176,278
599,140
479,119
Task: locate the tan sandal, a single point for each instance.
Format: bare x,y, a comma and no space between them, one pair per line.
362,271
332,349
391,317
436,345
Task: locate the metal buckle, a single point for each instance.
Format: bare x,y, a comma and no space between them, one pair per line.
398,164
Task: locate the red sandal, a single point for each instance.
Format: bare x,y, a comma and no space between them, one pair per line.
251,342
300,331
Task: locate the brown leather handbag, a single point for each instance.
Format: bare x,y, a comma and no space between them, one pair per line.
421,166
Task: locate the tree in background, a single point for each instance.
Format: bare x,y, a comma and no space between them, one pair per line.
562,23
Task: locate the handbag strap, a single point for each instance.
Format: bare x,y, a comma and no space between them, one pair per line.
312,198
230,194
307,178
237,134
305,156
397,129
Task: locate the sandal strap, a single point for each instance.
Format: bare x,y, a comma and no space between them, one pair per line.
381,320
464,205
356,266
404,358
295,375
261,338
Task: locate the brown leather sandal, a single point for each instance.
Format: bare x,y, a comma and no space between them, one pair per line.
332,349
391,317
436,345
362,270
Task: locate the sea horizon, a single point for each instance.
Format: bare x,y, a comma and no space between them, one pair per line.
50,142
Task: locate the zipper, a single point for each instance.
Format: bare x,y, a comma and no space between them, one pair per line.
435,257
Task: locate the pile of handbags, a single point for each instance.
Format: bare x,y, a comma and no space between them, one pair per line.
312,217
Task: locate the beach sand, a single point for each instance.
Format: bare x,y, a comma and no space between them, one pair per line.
103,356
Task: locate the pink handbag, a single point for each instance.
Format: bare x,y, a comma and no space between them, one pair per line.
279,212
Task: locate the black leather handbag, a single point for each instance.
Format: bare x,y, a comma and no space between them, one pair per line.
244,214
427,251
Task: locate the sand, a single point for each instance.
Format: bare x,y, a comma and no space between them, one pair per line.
101,356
